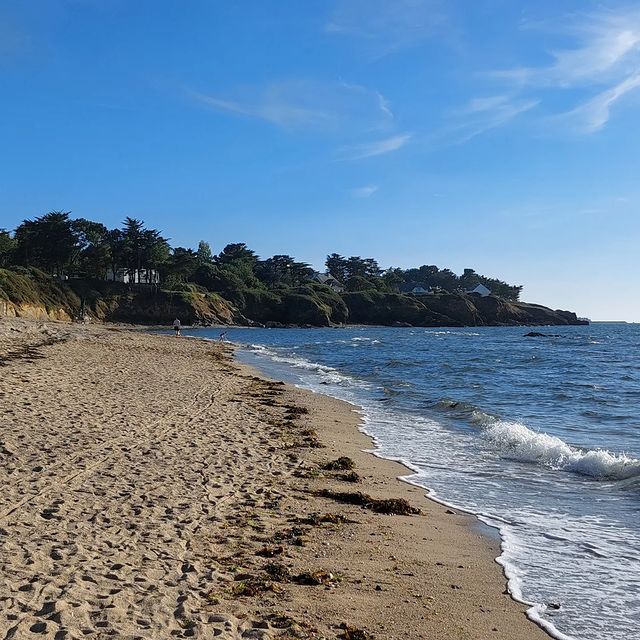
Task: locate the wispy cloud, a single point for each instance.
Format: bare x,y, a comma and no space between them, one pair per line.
383,105
604,59
307,104
271,109
387,25
375,148
364,192
593,114
483,114
606,45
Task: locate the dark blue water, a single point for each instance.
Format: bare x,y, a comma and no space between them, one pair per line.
538,436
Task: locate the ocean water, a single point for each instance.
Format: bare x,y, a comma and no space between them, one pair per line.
540,437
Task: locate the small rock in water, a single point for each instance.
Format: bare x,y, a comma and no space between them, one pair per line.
537,334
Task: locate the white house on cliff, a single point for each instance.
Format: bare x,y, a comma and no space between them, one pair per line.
480,290
328,280
137,276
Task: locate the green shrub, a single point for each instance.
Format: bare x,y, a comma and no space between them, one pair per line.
187,287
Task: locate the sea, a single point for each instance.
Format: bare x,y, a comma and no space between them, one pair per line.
539,437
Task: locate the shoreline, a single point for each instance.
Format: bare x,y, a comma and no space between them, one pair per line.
490,526
492,533
155,489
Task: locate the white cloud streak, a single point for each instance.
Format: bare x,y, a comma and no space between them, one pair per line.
275,111
364,192
607,45
605,58
308,104
483,114
593,115
375,148
384,26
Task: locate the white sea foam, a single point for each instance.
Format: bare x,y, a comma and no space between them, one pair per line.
514,440
471,334
401,434
518,442
327,375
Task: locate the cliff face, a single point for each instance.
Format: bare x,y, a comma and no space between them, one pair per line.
32,312
450,310
312,304
33,294
375,307
116,302
29,293
498,311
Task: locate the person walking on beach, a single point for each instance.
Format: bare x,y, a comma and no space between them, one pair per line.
222,336
177,326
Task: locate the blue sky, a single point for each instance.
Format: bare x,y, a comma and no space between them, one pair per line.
500,135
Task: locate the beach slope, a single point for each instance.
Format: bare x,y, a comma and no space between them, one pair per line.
152,488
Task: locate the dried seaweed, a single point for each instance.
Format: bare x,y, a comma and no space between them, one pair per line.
294,411
253,587
391,506
340,464
315,519
270,551
351,476
353,633
315,577
293,536
277,571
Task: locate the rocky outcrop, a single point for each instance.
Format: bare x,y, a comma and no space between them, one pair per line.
117,302
449,310
376,307
313,304
496,311
456,310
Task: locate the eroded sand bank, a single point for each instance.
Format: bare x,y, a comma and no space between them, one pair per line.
151,488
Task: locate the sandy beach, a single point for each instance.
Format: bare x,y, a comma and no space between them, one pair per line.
153,488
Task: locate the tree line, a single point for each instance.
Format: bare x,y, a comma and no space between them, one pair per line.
66,247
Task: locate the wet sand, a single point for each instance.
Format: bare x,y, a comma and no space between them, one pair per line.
152,488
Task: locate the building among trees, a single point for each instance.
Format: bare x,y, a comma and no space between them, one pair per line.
328,280
480,290
136,276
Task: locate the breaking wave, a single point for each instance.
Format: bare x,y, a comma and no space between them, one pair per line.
516,441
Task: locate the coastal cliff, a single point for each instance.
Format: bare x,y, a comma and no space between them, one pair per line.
29,293
450,310
32,294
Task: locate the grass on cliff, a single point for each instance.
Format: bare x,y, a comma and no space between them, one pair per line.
30,286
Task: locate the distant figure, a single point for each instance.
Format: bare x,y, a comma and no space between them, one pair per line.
222,336
177,326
